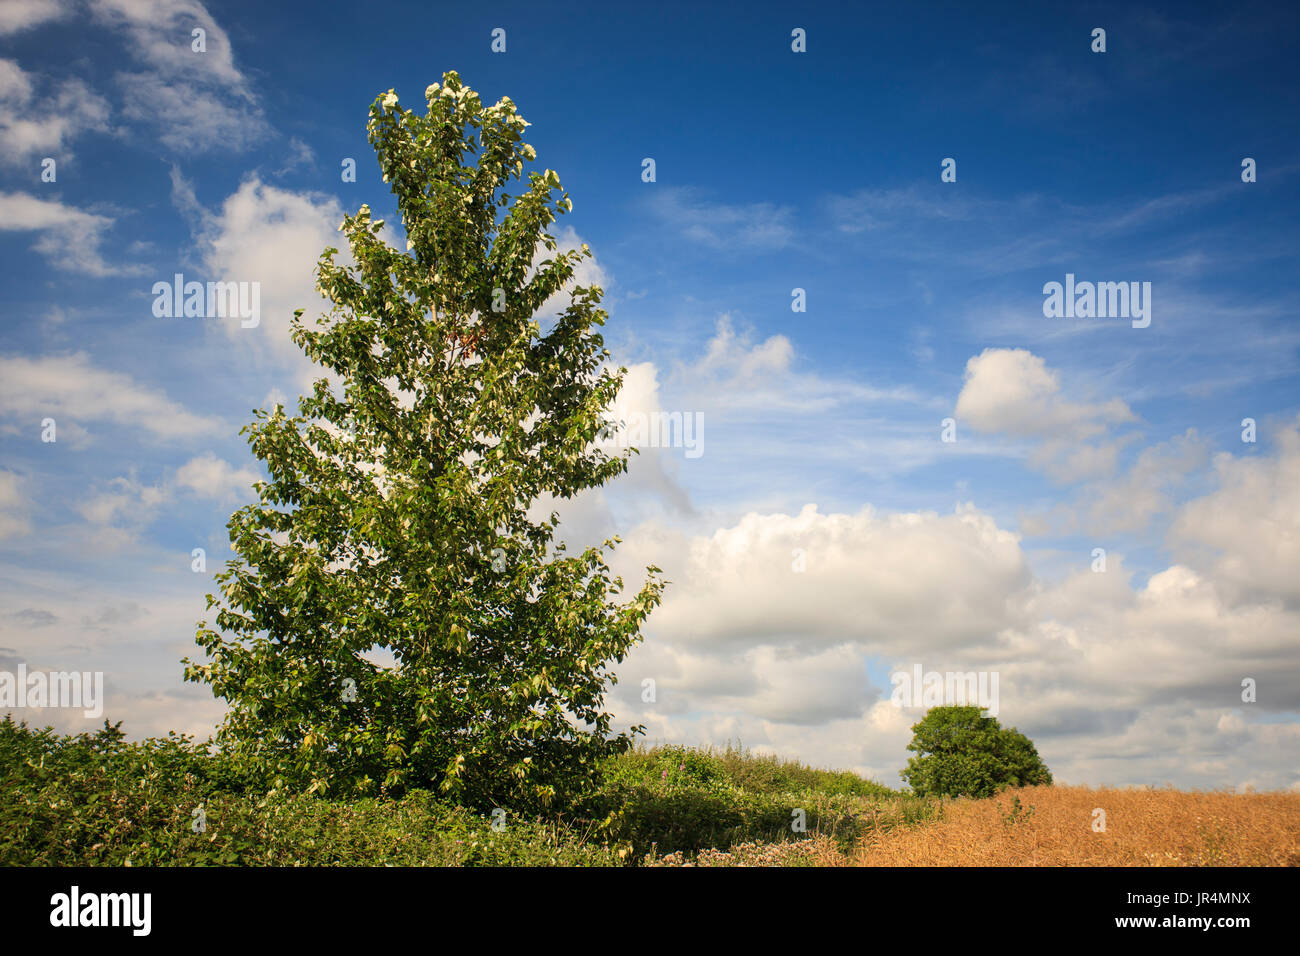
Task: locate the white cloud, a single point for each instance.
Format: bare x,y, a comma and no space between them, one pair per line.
1249,528
37,128
13,506
273,237
199,101
130,500
587,272
1012,391
756,380
15,84
160,35
883,581
886,208
198,119
1145,490
69,238
70,389
134,504
19,15
733,355
212,477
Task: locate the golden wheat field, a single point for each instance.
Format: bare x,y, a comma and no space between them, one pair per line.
1054,826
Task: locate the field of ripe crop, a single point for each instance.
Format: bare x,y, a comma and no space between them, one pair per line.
1054,826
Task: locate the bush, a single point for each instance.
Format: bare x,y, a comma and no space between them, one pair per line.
961,753
95,800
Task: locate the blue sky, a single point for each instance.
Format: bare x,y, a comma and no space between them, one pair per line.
775,171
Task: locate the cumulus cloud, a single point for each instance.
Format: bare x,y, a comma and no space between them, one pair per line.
746,378
732,354
870,577
129,500
1248,529
1131,500
1014,392
273,237
1119,679
133,504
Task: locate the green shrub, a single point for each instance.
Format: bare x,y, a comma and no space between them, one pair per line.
95,800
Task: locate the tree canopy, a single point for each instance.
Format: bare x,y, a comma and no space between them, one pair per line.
960,753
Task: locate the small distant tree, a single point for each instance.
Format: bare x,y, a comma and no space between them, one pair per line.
394,617
960,753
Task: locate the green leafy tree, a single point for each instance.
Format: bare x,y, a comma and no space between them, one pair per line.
960,753
395,519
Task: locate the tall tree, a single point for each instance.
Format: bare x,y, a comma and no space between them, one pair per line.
395,520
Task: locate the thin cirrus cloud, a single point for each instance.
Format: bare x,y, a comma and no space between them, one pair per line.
761,226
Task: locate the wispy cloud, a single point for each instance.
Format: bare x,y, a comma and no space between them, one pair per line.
40,126
726,226
197,99
72,388
69,238
19,15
